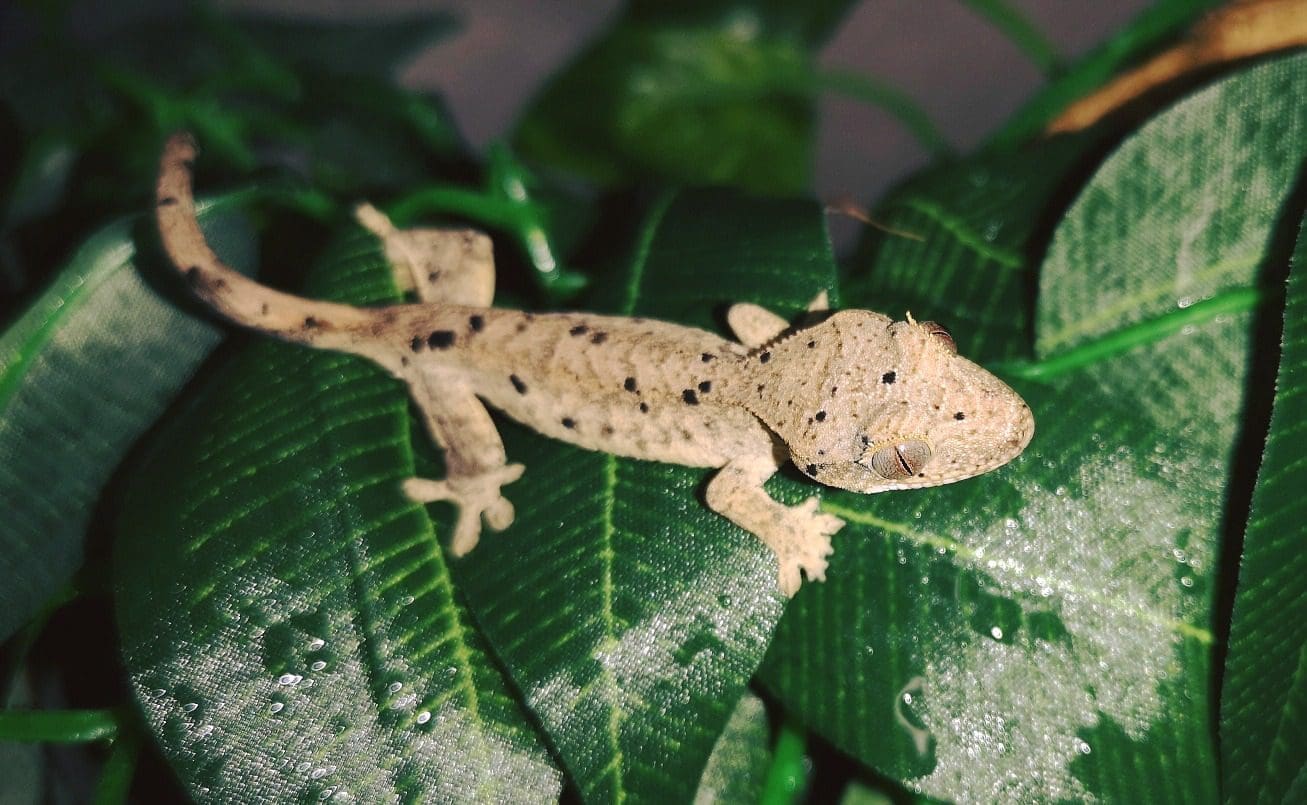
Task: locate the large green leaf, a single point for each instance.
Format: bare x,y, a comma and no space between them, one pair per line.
737,767
1264,695
629,615
83,373
957,244
1044,631
711,93
288,621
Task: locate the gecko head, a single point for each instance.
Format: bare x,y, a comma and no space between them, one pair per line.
898,408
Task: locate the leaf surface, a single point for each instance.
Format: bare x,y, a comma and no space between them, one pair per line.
288,621
1043,632
83,373
1264,694
629,614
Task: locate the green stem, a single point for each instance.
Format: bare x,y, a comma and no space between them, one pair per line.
883,96
1241,300
57,726
116,778
1021,32
492,211
785,776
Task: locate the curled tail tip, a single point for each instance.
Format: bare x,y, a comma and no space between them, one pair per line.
180,147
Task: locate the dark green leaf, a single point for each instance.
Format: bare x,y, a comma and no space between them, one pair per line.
370,45
957,245
1043,632
83,373
630,615
1264,696
288,621
738,763
712,94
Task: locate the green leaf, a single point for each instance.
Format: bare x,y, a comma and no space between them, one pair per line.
708,95
83,373
738,763
629,614
1044,631
288,622
1155,26
1264,695
957,244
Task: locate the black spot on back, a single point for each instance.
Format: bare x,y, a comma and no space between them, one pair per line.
441,339
579,329
888,377
705,357
476,323
820,416
811,469
812,344
629,385
310,323
705,386
959,416
167,201
644,408
517,384
568,422
416,343
599,337
764,357
690,397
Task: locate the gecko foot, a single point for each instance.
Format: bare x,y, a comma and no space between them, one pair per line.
477,497
802,543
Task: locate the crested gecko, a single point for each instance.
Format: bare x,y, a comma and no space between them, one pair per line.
857,400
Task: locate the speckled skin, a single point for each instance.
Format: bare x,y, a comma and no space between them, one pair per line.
856,400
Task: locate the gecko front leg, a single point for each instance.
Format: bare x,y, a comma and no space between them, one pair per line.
798,535
475,463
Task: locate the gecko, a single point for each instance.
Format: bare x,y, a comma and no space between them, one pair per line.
855,399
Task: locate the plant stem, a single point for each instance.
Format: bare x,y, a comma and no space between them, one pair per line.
57,726
894,101
1241,300
785,777
116,778
1021,32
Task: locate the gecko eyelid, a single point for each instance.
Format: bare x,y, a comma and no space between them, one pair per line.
900,460
941,332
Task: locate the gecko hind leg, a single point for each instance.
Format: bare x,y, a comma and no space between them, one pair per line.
755,325
449,266
798,535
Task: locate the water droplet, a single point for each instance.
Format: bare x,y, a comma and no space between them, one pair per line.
316,644
724,600
1082,747
318,774
424,716
276,707
190,707
157,692
395,687
289,679
996,633
318,665
1187,581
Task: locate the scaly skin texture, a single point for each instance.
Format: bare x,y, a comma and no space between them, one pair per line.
856,400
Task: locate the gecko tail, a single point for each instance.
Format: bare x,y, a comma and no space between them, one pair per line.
232,294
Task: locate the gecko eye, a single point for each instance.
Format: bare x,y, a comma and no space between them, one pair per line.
941,332
895,462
